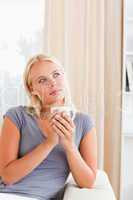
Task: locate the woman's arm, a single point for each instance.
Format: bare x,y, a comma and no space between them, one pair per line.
84,166
13,169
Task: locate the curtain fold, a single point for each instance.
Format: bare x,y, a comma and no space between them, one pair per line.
113,92
77,33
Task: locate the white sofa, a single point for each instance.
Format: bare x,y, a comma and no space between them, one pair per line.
102,189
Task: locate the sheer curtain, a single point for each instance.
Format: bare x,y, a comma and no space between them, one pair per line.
81,35
74,33
113,92
20,38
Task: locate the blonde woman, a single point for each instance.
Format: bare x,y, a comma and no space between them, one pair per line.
40,146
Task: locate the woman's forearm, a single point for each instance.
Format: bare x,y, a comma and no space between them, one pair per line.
83,175
21,167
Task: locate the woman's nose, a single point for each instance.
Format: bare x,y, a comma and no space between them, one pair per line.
52,82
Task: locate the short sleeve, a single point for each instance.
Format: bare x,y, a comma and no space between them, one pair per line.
15,116
87,124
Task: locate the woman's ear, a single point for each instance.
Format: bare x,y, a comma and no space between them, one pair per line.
35,93
30,88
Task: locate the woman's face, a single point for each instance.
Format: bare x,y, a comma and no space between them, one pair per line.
48,81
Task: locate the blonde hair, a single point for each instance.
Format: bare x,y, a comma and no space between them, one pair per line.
35,107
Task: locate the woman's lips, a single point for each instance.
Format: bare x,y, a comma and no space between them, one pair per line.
55,92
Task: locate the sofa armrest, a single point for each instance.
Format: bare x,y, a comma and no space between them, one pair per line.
102,189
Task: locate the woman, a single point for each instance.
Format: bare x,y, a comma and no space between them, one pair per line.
39,147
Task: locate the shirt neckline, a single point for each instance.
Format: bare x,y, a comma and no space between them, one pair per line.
43,134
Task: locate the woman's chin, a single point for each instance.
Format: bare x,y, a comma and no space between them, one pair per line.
57,100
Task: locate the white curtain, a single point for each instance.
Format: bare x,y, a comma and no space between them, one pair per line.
17,44
79,33
87,40
113,92
74,33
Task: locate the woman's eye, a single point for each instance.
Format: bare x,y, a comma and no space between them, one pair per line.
42,80
56,74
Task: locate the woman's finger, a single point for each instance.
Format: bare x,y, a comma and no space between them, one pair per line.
58,131
52,116
68,118
60,126
63,122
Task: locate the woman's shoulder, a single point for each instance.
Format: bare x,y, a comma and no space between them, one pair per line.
84,115
87,122
85,119
14,109
15,113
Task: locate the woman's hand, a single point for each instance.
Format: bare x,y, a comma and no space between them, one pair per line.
45,126
64,126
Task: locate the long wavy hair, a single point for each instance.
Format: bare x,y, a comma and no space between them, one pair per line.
35,106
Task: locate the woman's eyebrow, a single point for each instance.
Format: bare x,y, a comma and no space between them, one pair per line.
46,76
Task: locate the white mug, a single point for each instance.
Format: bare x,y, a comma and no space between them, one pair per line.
67,109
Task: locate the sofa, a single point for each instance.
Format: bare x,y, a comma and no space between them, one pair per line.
102,189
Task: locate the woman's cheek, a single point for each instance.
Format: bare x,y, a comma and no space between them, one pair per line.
62,82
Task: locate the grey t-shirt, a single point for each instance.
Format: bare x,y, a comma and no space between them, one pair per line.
48,178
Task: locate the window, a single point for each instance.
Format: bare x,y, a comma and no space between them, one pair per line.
21,36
